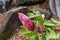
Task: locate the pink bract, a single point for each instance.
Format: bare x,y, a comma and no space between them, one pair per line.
26,21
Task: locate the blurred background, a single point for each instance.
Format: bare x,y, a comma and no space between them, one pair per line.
6,5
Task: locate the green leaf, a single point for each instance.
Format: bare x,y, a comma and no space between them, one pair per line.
39,19
50,35
30,15
35,32
30,38
36,12
43,37
25,32
36,37
49,24
37,16
55,21
58,35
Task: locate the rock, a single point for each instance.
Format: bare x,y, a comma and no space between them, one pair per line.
9,22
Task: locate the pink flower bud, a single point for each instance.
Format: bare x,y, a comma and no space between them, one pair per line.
40,29
26,21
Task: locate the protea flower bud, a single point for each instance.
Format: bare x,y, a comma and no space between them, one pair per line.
26,21
40,29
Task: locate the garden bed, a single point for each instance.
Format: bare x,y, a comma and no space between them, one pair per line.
11,32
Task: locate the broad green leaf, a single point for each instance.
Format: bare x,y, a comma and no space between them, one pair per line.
25,32
36,12
58,35
43,37
30,38
49,24
35,32
37,16
30,15
50,35
55,21
39,19
28,33
36,37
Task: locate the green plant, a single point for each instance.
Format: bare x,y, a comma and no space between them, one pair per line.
37,27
